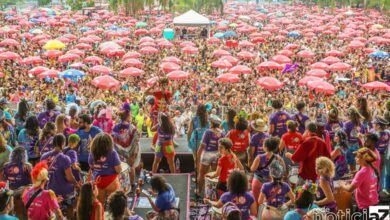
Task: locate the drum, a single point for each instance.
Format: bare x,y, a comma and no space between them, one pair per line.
343,198
124,178
216,213
210,187
270,213
293,175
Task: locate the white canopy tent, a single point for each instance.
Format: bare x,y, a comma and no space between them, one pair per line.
191,18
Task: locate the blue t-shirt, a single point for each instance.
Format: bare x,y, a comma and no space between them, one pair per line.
8,217
85,139
166,200
70,98
293,215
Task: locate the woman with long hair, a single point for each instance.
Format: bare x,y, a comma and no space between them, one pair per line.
29,139
105,165
240,138
228,124
278,119
325,170
366,181
339,154
353,128
21,115
364,111
118,209
63,125
304,201
237,194
5,151
208,151
126,139
273,194
164,146
198,126
46,138
333,123
89,207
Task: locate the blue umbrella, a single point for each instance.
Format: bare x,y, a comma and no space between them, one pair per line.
113,28
379,54
72,73
213,22
229,34
85,29
293,34
224,22
218,35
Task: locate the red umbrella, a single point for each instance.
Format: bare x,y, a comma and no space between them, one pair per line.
178,75
52,53
220,53
286,53
213,40
77,52
93,60
37,70
147,44
168,67
257,40
105,82
146,39
306,54
141,32
86,40
83,46
131,54
165,44
291,47
99,69
245,44
230,59
68,57
131,71
318,73
221,64
113,52
376,85
245,55
356,45
240,69
172,60
148,50
227,78
339,67
9,56
32,61
231,43
281,59
152,81
9,42
306,79
78,65
187,44
321,86
330,60
319,65
334,53
132,63
269,83
49,73
190,50
270,65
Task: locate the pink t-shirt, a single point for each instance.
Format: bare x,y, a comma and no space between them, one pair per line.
43,204
366,183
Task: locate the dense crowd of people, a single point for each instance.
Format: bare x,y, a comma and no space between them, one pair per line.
279,153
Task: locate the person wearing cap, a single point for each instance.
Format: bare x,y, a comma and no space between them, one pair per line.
325,170
260,165
208,150
259,128
290,140
45,202
278,119
354,129
300,117
7,130
310,149
365,182
49,115
273,193
6,204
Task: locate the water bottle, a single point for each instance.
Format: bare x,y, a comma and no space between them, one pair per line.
177,164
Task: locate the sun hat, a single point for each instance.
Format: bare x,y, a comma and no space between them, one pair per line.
215,119
366,154
380,120
259,125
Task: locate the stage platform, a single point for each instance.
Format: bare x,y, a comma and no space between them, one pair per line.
183,153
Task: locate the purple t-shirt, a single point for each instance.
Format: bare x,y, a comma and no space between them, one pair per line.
17,175
210,139
384,138
275,194
320,193
278,120
72,154
333,127
105,166
58,163
257,141
243,202
46,145
162,137
123,134
301,119
47,116
353,131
